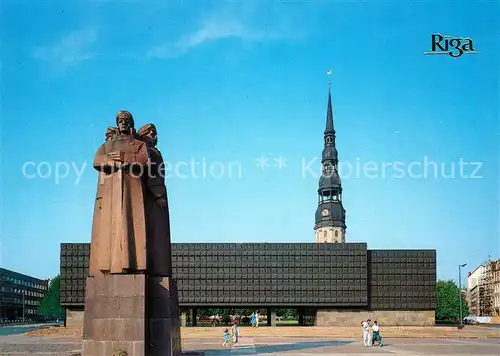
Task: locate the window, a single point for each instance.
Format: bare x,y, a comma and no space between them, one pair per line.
336,233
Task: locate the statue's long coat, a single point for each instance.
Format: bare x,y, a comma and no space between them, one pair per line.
158,220
119,227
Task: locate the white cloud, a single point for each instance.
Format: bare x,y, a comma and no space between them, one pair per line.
69,51
214,30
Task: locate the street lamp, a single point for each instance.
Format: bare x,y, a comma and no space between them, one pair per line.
460,289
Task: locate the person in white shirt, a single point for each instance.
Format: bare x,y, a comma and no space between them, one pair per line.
376,334
235,331
366,332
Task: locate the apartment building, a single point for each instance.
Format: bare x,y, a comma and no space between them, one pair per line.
495,279
483,289
473,281
19,296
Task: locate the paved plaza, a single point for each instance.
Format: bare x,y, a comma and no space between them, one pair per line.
295,347
17,345
21,345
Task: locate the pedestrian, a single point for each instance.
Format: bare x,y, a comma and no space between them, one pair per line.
376,334
235,331
226,338
366,332
252,319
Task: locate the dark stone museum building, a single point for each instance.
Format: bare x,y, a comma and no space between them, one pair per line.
334,282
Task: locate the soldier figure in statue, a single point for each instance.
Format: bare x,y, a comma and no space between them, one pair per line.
111,132
156,205
119,226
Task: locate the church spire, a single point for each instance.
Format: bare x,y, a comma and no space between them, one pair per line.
330,214
329,114
330,154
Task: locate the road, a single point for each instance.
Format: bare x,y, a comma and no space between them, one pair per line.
21,329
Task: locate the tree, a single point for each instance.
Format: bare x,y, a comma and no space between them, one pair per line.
50,306
288,313
448,304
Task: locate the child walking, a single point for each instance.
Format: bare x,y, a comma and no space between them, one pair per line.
226,338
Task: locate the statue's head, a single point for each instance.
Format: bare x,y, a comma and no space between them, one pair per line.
148,133
125,122
111,132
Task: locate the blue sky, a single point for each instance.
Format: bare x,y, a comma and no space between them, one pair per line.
228,83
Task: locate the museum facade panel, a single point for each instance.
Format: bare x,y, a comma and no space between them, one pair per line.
273,274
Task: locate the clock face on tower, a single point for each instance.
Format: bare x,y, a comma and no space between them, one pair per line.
324,212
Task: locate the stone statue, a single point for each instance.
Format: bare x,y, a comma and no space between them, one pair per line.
131,299
119,227
156,205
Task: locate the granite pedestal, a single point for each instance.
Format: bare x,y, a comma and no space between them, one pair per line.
135,313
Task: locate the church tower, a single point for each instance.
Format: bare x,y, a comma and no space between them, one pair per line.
330,215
